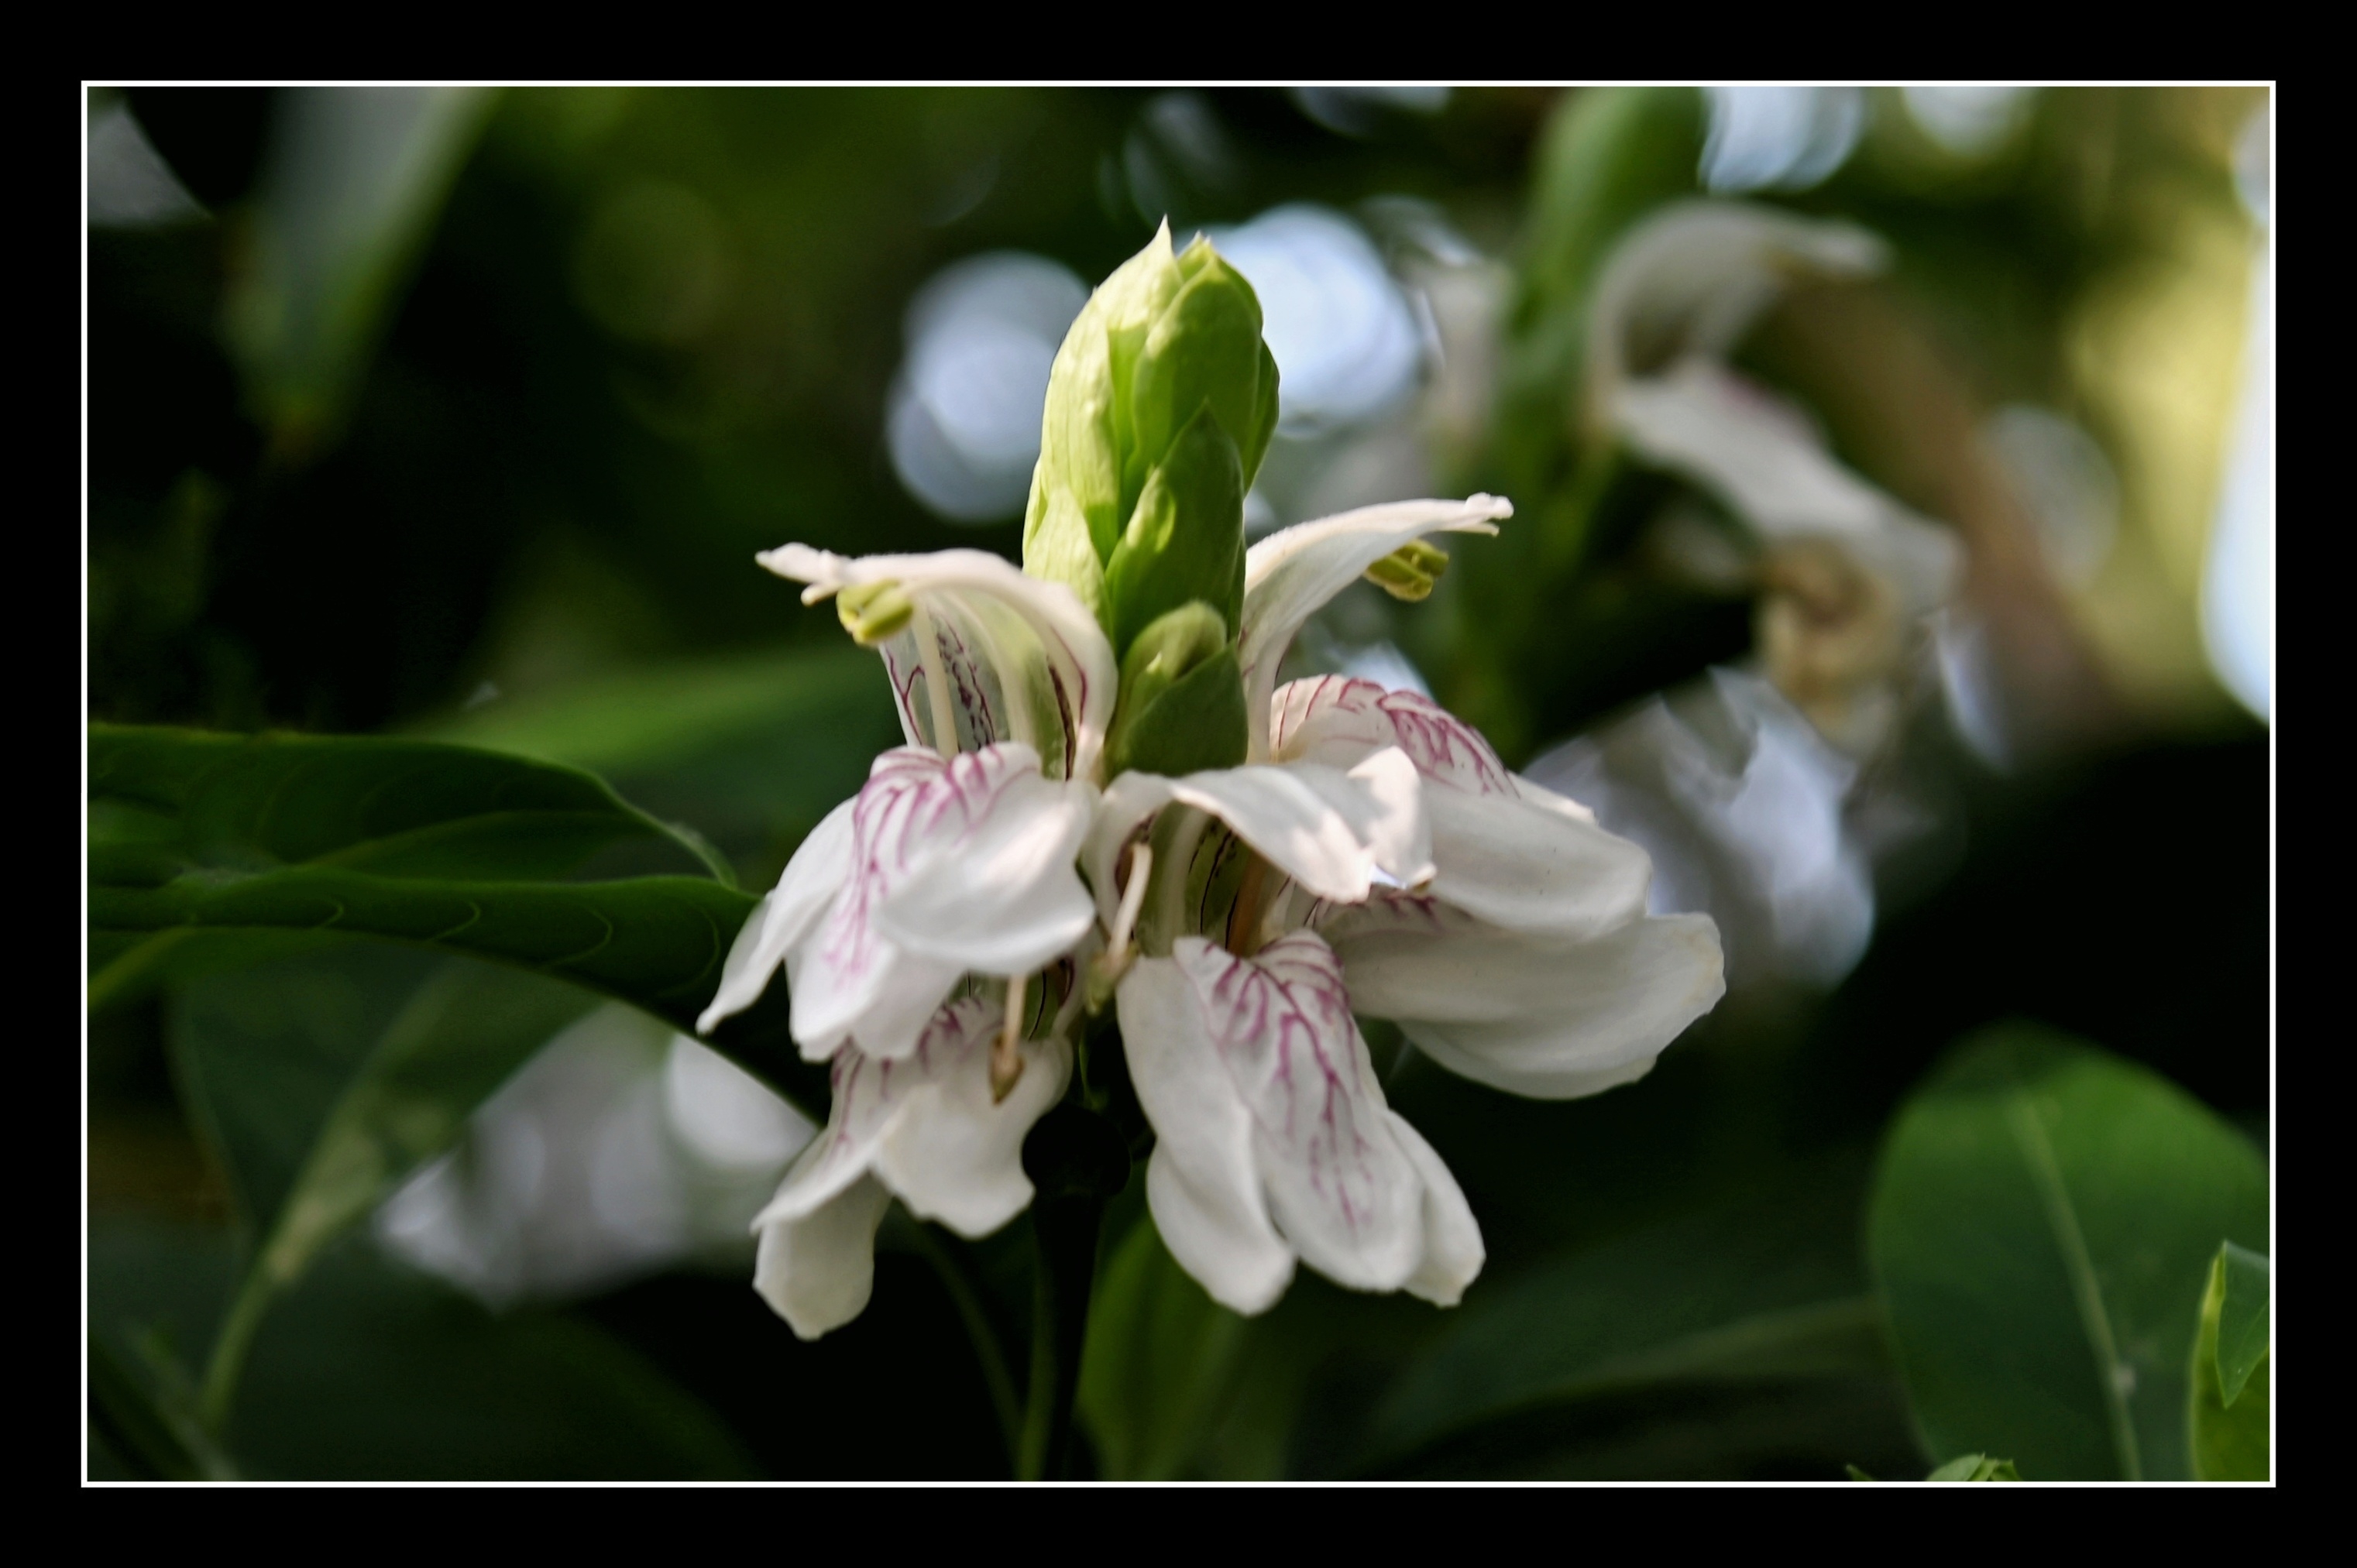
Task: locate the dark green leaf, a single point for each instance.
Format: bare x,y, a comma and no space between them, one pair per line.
2041,1220
2228,1412
180,809
322,1080
1765,1291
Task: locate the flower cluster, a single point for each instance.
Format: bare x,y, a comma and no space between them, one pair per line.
1106,800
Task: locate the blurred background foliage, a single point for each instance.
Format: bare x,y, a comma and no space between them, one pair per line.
458,414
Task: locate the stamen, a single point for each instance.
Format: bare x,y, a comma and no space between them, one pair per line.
1007,1051
1133,896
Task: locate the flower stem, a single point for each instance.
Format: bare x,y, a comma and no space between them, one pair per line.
1065,1226
1076,1160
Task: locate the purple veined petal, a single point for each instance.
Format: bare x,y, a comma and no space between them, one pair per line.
1289,575
1025,659
1008,900
870,971
1503,849
1534,1014
1338,719
811,880
924,1129
1272,1037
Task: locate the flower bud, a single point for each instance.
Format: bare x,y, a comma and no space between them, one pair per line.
1182,697
1160,404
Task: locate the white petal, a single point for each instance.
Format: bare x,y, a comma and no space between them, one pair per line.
1338,835
1453,1253
872,970
1507,850
1338,719
1008,900
1534,861
813,878
1202,1183
1760,457
1340,1187
1048,663
949,1152
1534,1014
1694,276
1291,573
817,1271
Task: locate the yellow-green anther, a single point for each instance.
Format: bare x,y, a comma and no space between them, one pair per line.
874,612
1409,572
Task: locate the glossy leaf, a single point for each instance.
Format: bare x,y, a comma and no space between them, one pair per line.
1766,1292
2041,1220
2229,1410
185,809
322,1080
752,748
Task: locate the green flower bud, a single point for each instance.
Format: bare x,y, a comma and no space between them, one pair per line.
1164,364
874,612
1182,697
1178,546
1409,572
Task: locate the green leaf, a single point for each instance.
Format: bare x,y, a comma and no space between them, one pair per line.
369,1370
1160,1363
151,1437
2241,1333
322,1080
1766,1291
181,808
654,941
1975,1467
2040,1221
2228,1412
754,749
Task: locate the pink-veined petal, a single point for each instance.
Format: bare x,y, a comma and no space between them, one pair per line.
1534,1014
1504,849
1203,1183
1289,575
872,970
926,1125
1025,660
1009,899
1341,1189
813,878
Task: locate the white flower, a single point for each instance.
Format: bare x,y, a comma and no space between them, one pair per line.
953,863
1375,857
1849,575
1371,854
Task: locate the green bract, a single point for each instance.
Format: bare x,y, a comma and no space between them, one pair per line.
1160,404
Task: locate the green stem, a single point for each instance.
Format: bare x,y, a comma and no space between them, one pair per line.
968,1301
1065,1225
